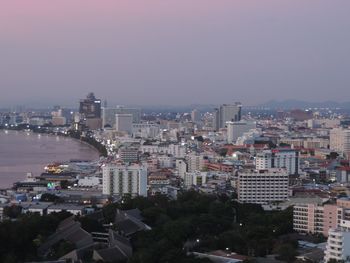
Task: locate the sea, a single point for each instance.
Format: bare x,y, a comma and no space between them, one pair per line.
24,152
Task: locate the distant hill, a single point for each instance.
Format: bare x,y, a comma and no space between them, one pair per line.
294,104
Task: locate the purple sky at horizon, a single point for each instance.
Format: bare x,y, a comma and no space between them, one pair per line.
174,52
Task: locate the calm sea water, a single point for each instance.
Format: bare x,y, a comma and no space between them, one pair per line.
23,152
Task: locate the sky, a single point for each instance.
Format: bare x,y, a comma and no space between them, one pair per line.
173,52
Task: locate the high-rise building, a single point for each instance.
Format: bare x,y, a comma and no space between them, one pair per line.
90,111
108,115
123,122
279,158
229,112
195,162
340,140
181,167
195,115
121,179
90,107
216,119
236,129
262,187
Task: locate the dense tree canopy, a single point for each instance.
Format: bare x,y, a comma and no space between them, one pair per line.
204,223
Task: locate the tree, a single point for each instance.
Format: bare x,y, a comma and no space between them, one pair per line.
223,152
286,252
13,211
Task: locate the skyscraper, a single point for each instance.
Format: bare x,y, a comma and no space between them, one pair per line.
216,119
90,111
229,112
195,115
90,107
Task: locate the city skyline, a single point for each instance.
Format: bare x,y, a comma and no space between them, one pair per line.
173,53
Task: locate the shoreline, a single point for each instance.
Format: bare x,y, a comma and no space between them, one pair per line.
11,169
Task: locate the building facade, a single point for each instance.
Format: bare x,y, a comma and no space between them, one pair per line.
122,179
320,218
108,115
123,123
340,140
263,186
279,158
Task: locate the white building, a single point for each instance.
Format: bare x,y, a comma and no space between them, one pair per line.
73,209
340,140
279,158
175,150
338,245
123,122
124,179
262,187
325,123
181,167
236,129
90,181
166,161
145,130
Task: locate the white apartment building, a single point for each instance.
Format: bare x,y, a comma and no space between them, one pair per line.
338,245
263,186
340,140
181,167
123,122
121,179
236,129
278,158
176,150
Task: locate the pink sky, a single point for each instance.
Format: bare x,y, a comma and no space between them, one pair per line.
119,48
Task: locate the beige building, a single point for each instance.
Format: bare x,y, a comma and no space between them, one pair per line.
340,140
320,218
263,186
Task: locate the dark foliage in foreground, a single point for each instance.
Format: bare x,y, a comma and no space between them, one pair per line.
20,239
202,223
